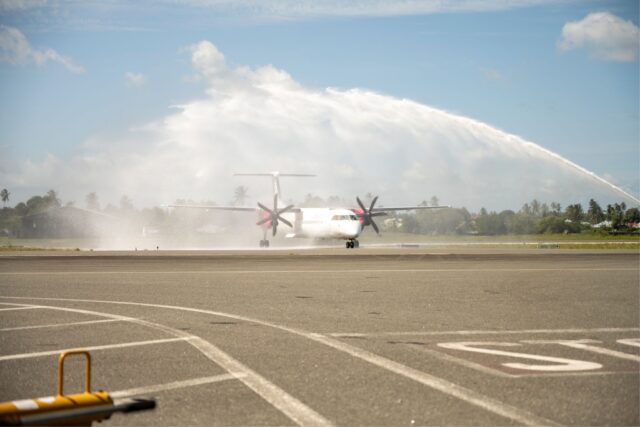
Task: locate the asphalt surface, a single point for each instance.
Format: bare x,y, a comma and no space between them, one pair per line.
333,336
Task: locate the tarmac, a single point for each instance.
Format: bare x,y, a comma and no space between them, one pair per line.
401,336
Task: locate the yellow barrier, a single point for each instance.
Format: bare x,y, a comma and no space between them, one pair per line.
70,410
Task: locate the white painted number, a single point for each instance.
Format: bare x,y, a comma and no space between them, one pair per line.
559,364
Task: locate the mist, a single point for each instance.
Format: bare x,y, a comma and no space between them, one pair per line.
356,141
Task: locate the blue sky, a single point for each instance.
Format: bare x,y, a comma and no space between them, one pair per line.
497,62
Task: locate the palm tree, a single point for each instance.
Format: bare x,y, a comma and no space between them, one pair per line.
4,194
535,207
240,195
52,198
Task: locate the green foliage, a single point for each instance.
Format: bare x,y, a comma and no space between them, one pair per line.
491,224
574,212
556,224
632,216
615,214
595,214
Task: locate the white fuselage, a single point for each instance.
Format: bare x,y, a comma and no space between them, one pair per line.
324,223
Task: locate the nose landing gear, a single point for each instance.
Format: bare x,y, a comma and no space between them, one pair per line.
350,244
264,243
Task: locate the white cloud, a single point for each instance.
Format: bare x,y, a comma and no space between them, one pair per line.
15,49
135,79
356,141
604,36
21,4
293,9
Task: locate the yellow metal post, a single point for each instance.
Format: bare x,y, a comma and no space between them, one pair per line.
87,379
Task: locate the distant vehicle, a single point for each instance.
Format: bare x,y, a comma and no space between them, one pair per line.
319,223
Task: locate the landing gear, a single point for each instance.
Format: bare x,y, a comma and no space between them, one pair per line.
350,244
264,243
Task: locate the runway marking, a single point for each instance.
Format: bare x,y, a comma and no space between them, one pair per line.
587,346
634,342
91,348
174,385
58,325
559,364
482,332
17,308
469,364
516,414
281,400
355,271
487,370
474,398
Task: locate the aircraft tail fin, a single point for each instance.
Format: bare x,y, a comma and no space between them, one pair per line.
275,180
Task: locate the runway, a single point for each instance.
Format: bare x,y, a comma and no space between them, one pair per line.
404,336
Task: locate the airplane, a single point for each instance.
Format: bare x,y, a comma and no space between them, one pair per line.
318,223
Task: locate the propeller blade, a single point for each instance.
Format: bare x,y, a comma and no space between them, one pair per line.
373,202
275,227
264,208
375,227
275,203
361,204
288,208
285,221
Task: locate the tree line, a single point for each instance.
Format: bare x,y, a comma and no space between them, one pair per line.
532,218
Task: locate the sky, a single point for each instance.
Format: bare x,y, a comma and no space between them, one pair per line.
481,103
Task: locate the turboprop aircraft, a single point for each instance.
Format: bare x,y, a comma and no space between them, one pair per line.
319,223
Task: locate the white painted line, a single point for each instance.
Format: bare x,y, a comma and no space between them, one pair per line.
25,404
356,271
587,345
18,308
482,332
174,385
444,386
467,363
557,364
634,342
281,400
467,395
287,404
578,374
92,348
58,325
485,369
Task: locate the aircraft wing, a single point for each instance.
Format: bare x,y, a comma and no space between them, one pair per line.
407,208
217,208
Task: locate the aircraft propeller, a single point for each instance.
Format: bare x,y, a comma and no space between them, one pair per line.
274,215
367,215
